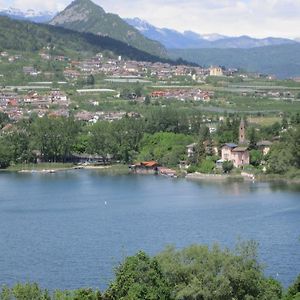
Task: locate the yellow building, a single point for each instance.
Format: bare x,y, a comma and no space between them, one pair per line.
215,71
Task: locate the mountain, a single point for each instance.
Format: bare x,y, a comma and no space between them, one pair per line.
25,36
281,60
189,39
30,15
86,16
168,37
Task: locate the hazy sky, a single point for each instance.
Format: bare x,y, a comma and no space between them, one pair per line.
258,18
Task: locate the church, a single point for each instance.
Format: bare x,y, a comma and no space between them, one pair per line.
238,154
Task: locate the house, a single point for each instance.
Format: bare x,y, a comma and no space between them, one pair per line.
30,71
190,149
238,155
264,146
146,167
215,71
83,158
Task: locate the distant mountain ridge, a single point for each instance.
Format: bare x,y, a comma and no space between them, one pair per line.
29,15
173,39
280,60
86,16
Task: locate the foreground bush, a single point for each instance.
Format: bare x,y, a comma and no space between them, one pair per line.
193,273
200,273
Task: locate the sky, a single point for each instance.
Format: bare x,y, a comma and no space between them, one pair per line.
257,18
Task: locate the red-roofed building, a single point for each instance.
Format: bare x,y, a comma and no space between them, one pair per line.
145,167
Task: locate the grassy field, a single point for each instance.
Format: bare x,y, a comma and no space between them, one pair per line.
264,121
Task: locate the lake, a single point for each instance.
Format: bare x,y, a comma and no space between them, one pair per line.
70,229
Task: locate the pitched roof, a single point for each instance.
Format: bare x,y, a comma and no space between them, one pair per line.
264,143
230,145
149,163
240,149
191,145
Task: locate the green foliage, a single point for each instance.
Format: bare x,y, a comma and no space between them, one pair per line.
166,120
253,139
5,153
34,292
228,131
147,100
256,157
139,277
166,148
54,137
293,292
4,119
284,156
120,139
24,292
198,272
90,80
207,166
227,166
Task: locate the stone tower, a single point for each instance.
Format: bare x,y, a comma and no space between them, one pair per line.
242,137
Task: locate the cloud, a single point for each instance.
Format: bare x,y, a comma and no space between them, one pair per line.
231,17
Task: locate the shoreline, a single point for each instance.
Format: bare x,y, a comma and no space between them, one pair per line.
243,177
123,169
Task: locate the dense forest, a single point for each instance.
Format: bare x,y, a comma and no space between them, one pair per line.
193,273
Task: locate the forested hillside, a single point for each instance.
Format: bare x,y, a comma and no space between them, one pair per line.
283,60
27,36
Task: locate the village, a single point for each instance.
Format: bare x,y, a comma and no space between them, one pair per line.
105,88
236,154
43,91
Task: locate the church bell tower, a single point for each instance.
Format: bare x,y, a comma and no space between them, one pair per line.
242,137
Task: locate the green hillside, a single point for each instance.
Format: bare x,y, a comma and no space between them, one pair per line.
85,16
282,61
27,36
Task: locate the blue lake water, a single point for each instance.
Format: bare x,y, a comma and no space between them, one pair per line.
69,230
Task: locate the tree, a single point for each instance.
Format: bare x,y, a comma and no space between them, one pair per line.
293,292
4,119
252,138
280,158
294,143
207,166
147,100
165,147
138,90
284,123
197,272
139,277
29,292
90,80
5,153
227,166
256,157
200,152
54,137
